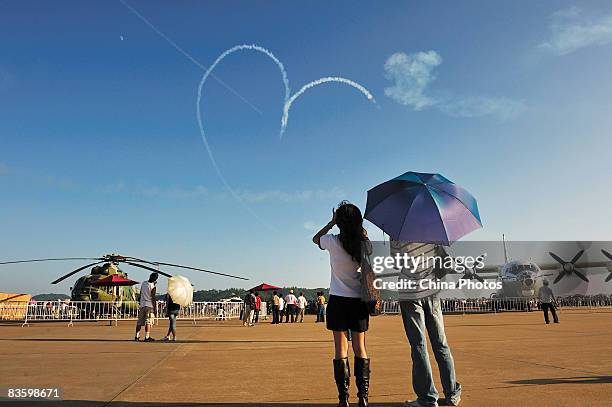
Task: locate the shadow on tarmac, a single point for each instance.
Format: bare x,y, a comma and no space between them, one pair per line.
88,403
159,341
566,380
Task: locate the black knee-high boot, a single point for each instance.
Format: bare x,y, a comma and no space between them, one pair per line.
342,375
362,379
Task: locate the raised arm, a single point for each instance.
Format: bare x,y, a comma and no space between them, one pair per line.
316,239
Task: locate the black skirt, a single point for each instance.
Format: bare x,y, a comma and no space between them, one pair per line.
344,313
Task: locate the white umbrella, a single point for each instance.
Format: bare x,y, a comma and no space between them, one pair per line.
180,290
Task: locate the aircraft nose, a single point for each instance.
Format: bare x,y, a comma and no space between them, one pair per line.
528,282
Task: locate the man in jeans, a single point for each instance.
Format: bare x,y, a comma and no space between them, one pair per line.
320,306
422,314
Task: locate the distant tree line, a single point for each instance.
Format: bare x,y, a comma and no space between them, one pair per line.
309,293
218,295
50,297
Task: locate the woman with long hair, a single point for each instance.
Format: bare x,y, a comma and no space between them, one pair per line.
345,309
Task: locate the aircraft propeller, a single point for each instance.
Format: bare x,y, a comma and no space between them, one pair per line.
568,267
608,255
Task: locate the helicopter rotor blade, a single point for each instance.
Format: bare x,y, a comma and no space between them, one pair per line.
134,260
65,276
579,274
607,254
137,260
148,268
58,259
202,270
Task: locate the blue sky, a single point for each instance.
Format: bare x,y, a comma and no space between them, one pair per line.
101,150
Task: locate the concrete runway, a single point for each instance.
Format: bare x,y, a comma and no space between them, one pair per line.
510,359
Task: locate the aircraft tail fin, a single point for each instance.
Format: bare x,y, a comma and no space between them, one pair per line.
505,249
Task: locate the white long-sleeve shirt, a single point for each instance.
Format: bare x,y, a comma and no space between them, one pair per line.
281,304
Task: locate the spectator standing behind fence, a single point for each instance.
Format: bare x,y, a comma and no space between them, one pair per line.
172,310
291,306
320,307
301,307
257,308
281,307
547,302
275,309
249,309
147,311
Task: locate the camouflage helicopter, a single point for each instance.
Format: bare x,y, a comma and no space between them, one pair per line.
86,289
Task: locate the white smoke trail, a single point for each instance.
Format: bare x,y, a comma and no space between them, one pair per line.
201,123
289,102
185,53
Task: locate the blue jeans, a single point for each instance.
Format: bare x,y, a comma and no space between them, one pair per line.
172,317
424,317
320,313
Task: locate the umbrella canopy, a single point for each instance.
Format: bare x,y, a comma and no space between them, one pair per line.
114,280
265,287
421,207
180,290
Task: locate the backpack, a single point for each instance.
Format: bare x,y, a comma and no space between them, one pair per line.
369,293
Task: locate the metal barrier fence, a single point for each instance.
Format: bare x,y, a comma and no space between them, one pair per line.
509,304
112,311
128,310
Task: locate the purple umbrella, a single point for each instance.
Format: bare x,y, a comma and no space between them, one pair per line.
420,207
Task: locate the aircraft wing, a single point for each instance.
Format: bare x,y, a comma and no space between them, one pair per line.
489,269
593,264
550,266
582,265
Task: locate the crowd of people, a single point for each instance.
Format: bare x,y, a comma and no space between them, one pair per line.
288,308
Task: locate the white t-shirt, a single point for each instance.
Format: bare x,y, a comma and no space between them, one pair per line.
345,278
545,294
145,294
302,302
290,299
281,304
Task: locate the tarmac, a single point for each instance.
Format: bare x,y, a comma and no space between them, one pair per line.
509,359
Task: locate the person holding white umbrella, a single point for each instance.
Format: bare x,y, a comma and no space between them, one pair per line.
180,294
172,311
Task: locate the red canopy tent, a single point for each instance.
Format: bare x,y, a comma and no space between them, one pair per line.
114,280
265,287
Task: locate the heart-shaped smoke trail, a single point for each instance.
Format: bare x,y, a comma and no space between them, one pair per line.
289,100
